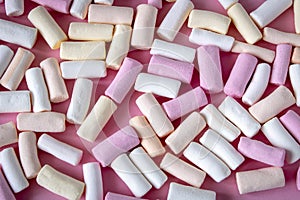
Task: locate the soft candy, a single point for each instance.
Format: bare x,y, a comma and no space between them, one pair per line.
8,134
5,191
6,55
294,72
79,8
14,7
15,101
227,3
291,121
275,36
58,5
93,181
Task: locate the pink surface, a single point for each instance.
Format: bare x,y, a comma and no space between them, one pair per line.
226,189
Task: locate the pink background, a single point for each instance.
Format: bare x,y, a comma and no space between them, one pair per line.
227,189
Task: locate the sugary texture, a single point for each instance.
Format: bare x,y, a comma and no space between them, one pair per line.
240,75
105,2
15,101
115,196
41,122
8,134
62,6
260,179
174,19
93,181
296,56
267,108
261,152
185,132
185,103
124,80
5,191
120,142
280,137
6,55
14,7
182,170
204,37
59,183
294,72
291,121
130,175
275,36
297,15
155,3
80,8
47,26
227,3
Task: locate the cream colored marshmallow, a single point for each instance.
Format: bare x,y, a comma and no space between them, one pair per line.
275,36
8,134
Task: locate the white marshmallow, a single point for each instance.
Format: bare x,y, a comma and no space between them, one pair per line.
106,2
294,72
93,181
275,36
8,134
227,3
14,7
15,101
6,55
79,8
297,15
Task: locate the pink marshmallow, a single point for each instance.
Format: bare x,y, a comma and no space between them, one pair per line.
62,6
291,121
240,75
120,142
124,80
281,64
155,3
5,191
261,152
210,69
185,103
182,71
298,179
115,196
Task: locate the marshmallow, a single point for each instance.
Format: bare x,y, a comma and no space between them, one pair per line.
275,36
57,5
239,116
227,3
14,7
115,196
47,26
15,72
15,101
6,55
217,122
8,134
124,80
80,8
269,10
185,103
298,179
240,75
291,121
267,108
174,19
105,2
158,85
281,64
157,118
296,55
56,86
244,23
179,70
260,179
257,51
38,89
103,14
173,51
280,137
86,31
210,69
207,161
182,170
28,154
204,37
120,142
119,46
41,122
297,16
258,84
5,191
17,33
130,175
83,69
179,192
144,24
155,3
80,101
12,170
97,118
59,183
294,72
261,152
208,20
90,50
186,132
93,181
149,141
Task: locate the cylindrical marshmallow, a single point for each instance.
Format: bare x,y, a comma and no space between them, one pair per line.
41,122
291,121
130,175
6,55
56,86
93,181
275,36
244,23
227,3
239,116
15,72
296,55
57,5
15,101
204,37
5,191
115,196
8,134
294,72
59,183
38,89
28,154
12,170
120,142
267,108
14,7
80,8
174,19
280,137
47,26
158,119
240,75
97,118
261,152
258,84
105,2
155,3
297,15
260,179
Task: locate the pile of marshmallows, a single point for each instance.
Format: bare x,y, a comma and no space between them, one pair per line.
171,64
